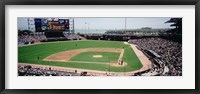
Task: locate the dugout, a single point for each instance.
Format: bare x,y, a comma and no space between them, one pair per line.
153,54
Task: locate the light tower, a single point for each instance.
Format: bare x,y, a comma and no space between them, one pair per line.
71,25
31,24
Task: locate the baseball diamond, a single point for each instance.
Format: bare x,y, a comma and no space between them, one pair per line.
67,54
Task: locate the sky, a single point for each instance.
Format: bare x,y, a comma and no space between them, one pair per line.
110,23
119,23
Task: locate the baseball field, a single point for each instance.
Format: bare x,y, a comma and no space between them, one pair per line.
83,54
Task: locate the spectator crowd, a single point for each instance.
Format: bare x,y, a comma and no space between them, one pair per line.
73,36
27,70
170,52
24,39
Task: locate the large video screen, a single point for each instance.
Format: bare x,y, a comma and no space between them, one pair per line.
43,25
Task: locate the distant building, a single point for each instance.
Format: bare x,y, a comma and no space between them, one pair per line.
147,28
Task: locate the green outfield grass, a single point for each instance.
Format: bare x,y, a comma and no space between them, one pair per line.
29,54
88,57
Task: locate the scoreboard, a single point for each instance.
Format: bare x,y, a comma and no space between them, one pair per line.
45,25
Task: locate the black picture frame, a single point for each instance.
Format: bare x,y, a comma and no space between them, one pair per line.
3,3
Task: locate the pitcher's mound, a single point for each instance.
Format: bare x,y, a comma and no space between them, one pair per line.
97,56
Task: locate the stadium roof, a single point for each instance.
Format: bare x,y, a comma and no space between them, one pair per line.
172,20
174,24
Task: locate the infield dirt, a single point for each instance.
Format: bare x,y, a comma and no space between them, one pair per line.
66,55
